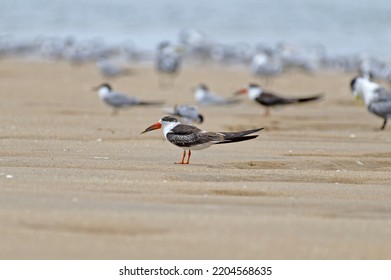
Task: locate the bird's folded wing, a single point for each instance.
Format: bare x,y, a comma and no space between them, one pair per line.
381,108
268,98
118,99
383,94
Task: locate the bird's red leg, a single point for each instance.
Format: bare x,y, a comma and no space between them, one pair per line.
188,157
183,158
114,112
267,112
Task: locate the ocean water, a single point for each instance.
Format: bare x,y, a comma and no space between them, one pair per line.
343,27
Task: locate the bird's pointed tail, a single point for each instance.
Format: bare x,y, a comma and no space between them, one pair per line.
151,103
230,137
310,98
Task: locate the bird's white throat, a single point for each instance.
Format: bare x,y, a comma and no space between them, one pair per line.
104,92
254,92
167,126
199,93
367,89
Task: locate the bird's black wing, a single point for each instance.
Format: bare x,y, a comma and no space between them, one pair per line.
271,99
188,136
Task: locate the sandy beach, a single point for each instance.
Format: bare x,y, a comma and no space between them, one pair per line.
77,183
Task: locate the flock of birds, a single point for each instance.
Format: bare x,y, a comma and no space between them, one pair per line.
188,137
262,61
204,97
180,132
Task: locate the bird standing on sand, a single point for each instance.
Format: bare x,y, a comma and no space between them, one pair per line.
111,70
118,100
188,113
207,98
267,99
266,67
168,62
190,137
377,99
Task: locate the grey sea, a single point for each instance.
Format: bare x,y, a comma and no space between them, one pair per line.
342,27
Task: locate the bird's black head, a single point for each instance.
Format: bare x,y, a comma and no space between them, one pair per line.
203,86
353,84
169,119
252,85
104,85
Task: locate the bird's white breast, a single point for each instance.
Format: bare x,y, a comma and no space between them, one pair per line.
103,93
253,93
168,126
199,94
367,89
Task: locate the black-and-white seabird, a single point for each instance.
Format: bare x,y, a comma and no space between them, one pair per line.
190,138
118,100
377,99
269,99
205,97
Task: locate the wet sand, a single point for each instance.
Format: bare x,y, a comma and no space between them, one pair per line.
77,183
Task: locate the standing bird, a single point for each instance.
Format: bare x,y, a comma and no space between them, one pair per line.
118,100
168,62
109,69
190,137
376,98
266,66
207,98
188,113
268,99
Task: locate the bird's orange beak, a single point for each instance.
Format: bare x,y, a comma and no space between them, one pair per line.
152,127
241,91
